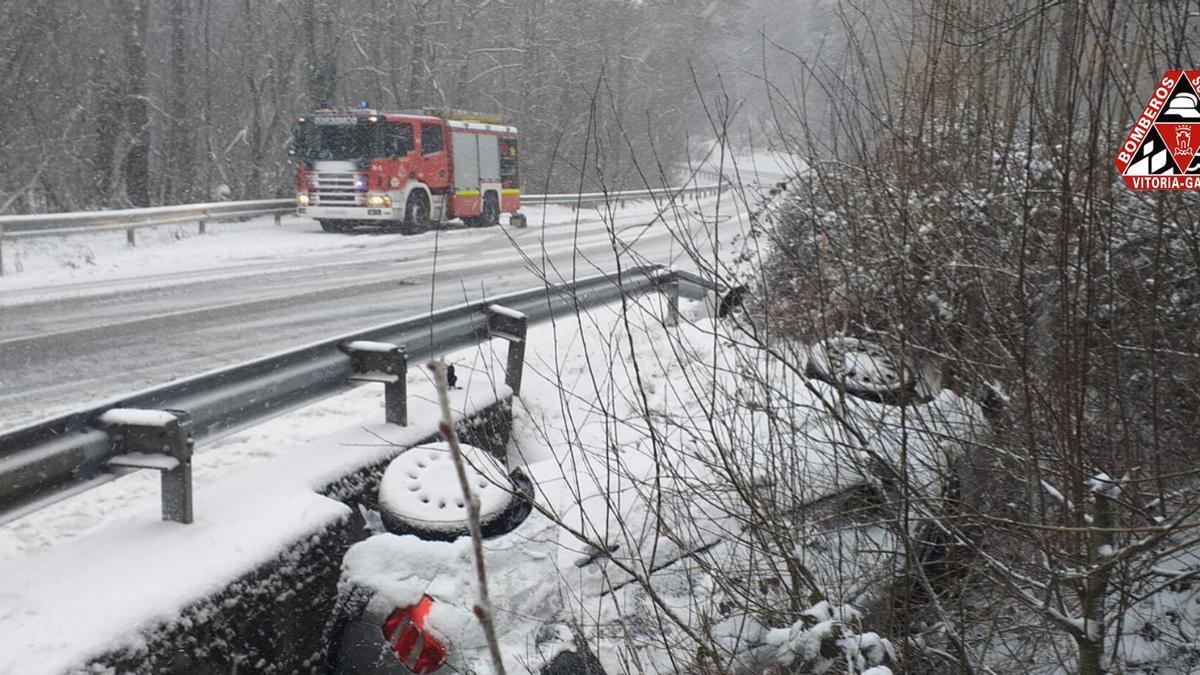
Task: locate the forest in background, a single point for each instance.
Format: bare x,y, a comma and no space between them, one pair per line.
119,103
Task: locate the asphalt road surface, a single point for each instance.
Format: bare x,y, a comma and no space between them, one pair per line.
73,344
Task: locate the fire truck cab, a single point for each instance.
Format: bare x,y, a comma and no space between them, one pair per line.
411,170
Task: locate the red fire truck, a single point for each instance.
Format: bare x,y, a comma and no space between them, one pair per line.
410,170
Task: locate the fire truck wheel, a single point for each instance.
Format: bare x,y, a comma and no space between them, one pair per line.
331,226
491,211
416,214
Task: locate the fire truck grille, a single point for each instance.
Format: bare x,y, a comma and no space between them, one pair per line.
338,189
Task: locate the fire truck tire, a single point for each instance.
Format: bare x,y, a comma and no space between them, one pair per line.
332,226
416,213
490,217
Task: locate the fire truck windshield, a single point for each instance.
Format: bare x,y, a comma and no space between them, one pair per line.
340,142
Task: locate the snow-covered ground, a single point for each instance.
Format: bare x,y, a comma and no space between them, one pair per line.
637,436
666,446
756,170
580,428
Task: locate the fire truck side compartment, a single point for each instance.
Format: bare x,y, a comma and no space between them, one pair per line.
466,160
489,159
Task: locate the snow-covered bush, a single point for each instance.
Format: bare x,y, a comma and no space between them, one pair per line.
824,637
959,225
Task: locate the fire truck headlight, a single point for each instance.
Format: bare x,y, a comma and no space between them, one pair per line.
379,200
302,200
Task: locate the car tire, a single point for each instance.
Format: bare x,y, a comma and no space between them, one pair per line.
348,606
571,662
863,369
412,499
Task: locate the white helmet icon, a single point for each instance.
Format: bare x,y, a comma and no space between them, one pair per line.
1183,105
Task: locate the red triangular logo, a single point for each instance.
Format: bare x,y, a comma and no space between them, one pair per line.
1165,139
1181,142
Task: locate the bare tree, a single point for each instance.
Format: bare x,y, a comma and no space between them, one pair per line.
985,232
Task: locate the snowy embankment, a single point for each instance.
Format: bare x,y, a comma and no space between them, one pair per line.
652,449
635,434
84,576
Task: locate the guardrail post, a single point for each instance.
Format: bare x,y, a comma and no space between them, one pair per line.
279,219
385,363
1,249
177,482
510,325
202,228
159,440
129,238
668,285
395,394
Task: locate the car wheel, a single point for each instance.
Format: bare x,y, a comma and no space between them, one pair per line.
572,662
864,369
420,494
348,606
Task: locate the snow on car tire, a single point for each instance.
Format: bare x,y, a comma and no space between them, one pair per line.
420,493
864,369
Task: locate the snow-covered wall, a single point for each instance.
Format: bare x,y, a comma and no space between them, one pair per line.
272,619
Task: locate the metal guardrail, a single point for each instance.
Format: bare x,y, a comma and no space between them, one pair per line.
50,460
68,223
621,196
62,224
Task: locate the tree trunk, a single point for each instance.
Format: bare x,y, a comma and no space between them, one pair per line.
1100,543
316,17
136,165
1064,69
178,156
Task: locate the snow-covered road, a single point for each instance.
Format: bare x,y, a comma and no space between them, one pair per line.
88,318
